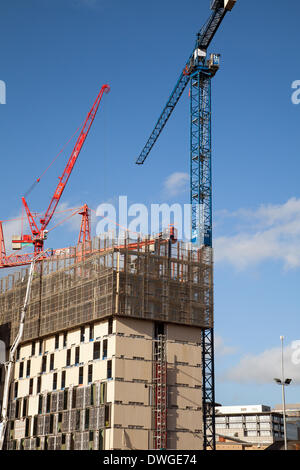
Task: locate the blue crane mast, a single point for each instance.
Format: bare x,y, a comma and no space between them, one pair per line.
198,71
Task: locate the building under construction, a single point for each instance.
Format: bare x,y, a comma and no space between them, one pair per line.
113,352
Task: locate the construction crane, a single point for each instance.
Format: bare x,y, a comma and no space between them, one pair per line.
39,234
198,71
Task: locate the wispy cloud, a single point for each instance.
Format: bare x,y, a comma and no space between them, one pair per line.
176,184
222,349
271,232
262,368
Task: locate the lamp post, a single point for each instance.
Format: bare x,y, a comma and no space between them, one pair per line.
283,382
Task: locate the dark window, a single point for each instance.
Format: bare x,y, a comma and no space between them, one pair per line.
30,386
63,379
59,422
91,332
33,348
65,340
87,419
48,403
68,357
38,387
51,423
41,347
82,334
16,390
28,369
35,423
56,341
51,361
106,415
54,381
27,426
109,369
25,401
80,380
90,373
96,353
77,420
44,363
104,353
65,399
17,408
77,355
74,398
110,326
21,370
40,404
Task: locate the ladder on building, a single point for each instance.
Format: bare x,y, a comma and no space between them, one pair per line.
160,392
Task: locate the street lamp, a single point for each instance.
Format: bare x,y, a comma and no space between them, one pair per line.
283,382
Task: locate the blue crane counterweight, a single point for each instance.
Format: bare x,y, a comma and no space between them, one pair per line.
198,71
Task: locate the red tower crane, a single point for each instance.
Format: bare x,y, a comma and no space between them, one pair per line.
39,234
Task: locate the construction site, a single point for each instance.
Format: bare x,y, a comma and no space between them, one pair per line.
109,343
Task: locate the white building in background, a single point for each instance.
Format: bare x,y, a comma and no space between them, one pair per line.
255,424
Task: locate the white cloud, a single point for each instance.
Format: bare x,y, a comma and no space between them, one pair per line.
272,232
176,183
221,349
264,367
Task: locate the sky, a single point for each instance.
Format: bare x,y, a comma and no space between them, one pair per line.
56,55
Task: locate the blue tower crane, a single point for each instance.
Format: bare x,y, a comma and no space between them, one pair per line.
198,71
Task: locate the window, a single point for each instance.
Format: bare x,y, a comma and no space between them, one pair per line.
110,326
74,398
51,361
28,369
41,347
96,352
44,363
80,379
77,420
25,401
27,427
48,403
90,373
106,415
30,386
35,424
54,387
82,334
59,422
51,423
87,419
77,355
56,341
16,390
65,340
109,371
33,348
91,440
66,399
104,353
38,387
40,410
21,370
63,379
91,332
68,357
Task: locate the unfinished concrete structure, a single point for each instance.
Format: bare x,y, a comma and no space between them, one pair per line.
112,353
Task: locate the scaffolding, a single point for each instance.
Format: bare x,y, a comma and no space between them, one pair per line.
160,393
145,279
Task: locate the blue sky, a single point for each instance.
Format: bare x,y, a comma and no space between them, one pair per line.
55,57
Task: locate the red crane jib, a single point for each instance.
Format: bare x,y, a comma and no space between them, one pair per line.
38,240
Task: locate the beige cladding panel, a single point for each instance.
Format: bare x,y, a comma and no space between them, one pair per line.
130,439
184,419
35,366
99,370
19,431
185,441
184,397
23,386
187,353
47,382
131,415
131,370
73,338
33,405
134,347
132,392
49,344
184,333
25,351
101,329
184,375
129,326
